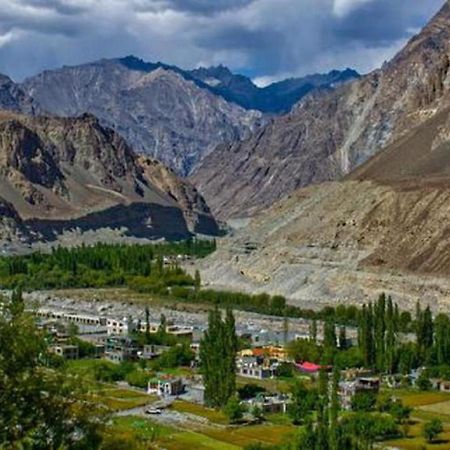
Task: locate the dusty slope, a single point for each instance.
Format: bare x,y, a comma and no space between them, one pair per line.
67,173
385,228
329,134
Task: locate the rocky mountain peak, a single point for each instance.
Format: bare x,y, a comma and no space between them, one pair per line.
330,133
161,111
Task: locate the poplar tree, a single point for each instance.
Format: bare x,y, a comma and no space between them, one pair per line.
380,329
329,341
313,331
217,358
442,339
390,336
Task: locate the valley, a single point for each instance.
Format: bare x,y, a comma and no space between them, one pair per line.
251,256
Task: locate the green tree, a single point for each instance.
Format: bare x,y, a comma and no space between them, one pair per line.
217,357
423,382
197,280
40,406
304,401
391,326
364,401
313,331
234,410
329,341
379,332
432,429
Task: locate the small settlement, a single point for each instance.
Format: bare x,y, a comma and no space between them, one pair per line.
114,339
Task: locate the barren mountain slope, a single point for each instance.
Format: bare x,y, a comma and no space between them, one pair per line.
158,111
67,173
385,228
13,98
327,135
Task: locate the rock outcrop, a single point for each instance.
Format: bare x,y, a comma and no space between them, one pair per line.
61,174
14,98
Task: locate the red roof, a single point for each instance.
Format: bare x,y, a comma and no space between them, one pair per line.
310,367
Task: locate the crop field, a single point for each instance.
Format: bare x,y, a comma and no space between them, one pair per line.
192,408
202,438
426,406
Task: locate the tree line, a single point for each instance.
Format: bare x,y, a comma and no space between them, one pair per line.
386,347
102,265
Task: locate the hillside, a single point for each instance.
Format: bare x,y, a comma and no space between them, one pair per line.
329,134
384,228
61,174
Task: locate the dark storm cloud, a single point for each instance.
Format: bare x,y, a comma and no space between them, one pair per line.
269,39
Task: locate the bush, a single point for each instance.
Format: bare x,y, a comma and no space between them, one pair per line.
364,401
234,410
177,356
137,378
432,429
423,382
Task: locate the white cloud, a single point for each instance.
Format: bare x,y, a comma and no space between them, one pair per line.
342,7
6,38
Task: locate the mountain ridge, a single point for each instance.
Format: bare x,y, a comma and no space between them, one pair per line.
62,174
329,134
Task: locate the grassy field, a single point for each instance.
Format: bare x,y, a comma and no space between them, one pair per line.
192,408
107,394
426,406
189,440
415,398
203,438
270,385
241,436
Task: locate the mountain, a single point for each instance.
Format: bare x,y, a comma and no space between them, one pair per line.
275,98
13,98
65,174
174,115
160,110
330,133
384,228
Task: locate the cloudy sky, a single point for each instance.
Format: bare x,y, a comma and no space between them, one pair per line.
265,39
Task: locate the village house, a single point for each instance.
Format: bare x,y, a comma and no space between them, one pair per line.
440,385
152,351
81,319
68,352
269,404
309,368
175,330
271,352
121,348
124,327
165,386
348,389
255,367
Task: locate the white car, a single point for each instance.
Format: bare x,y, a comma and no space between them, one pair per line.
153,411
